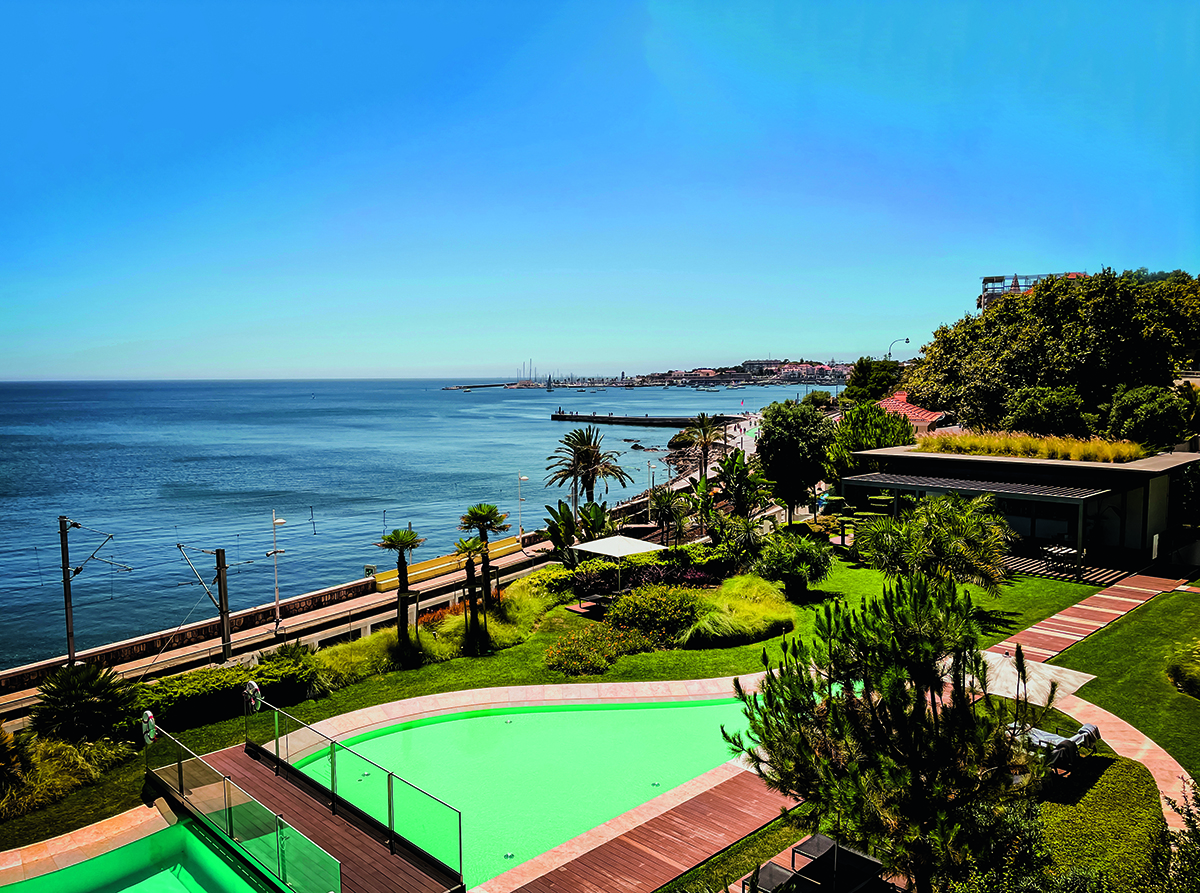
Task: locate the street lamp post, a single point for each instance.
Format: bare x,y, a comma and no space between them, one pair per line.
893,344
520,505
275,552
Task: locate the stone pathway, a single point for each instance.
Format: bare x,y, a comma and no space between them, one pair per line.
1048,637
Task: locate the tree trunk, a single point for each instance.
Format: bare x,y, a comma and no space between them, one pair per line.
472,642
486,565
402,602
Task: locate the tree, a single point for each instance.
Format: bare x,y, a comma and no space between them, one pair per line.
1153,416
467,551
793,446
484,518
562,529
701,498
402,542
668,510
82,702
946,538
865,426
1090,334
872,380
1048,412
795,561
595,522
878,727
704,433
581,459
819,399
739,483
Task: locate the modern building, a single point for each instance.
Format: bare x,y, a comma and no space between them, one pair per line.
995,287
1118,514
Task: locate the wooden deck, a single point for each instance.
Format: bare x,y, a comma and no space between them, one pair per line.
1038,567
659,850
367,865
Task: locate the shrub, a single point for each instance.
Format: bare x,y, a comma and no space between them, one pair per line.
83,702
1184,669
661,613
594,649
57,768
745,609
349,662
795,561
12,760
1025,446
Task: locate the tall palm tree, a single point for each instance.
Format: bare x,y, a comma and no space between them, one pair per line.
582,460
468,550
484,518
668,510
705,432
402,542
740,484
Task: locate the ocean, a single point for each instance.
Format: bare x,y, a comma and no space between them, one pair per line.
204,463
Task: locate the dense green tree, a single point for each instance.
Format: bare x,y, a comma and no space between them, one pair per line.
793,446
872,379
946,538
739,483
865,426
1048,412
484,518
1091,334
581,460
1155,417
82,702
704,433
468,551
795,561
819,399
402,542
877,727
562,529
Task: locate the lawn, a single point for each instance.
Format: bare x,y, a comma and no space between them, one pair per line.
1026,600
1129,657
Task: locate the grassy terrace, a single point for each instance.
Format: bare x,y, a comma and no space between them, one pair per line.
1026,601
1129,657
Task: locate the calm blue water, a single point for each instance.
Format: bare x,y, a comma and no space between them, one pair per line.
204,463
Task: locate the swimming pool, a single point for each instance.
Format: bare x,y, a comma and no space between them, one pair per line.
527,779
184,858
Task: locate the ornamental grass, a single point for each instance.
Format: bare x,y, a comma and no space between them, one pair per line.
1026,446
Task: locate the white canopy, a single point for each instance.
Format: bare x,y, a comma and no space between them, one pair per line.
618,546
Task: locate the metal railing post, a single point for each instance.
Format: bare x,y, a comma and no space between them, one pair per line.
179,764
333,776
391,816
279,847
228,809
276,713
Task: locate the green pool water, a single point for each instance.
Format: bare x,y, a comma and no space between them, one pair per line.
181,859
528,779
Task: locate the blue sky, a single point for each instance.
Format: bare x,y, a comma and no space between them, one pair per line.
242,190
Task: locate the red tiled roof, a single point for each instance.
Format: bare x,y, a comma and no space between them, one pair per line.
898,403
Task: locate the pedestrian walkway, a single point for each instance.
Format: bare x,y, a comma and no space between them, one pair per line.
1048,637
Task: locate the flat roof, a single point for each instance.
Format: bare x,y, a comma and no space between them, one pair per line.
1035,492
1151,465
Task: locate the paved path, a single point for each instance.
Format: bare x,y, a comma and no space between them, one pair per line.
1048,637
1129,742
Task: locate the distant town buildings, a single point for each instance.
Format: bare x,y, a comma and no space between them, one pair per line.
995,287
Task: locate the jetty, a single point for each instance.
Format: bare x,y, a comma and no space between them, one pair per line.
643,421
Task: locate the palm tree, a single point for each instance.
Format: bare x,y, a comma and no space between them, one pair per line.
700,498
668,510
468,550
705,432
402,542
582,460
484,518
740,484
82,702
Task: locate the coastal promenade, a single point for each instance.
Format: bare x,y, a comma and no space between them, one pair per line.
360,614
641,421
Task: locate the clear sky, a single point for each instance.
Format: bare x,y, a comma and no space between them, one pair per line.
407,189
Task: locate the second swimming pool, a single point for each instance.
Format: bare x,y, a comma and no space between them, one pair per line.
529,779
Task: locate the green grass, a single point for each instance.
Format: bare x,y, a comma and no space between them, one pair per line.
1029,599
1105,818
1129,657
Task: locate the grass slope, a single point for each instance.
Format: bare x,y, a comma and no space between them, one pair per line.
1129,658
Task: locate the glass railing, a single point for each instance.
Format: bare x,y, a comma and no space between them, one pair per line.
248,826
408,813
